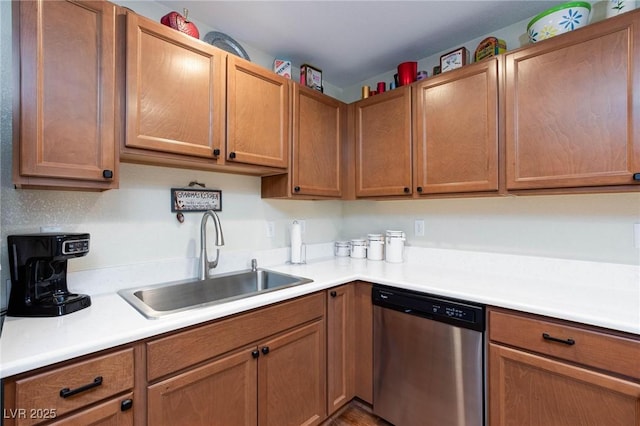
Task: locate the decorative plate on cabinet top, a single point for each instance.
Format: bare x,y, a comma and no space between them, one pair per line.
226,43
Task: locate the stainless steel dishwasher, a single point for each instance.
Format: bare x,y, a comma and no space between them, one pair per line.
428,359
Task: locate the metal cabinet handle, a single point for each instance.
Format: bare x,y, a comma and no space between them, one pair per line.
127,404
66,392
406,190
232,155
107,174
265,350
255,353
333,294
547,336
419,189
636,177
216,152
296,189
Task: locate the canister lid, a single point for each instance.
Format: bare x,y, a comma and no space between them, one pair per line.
358,242
395,234
375,237
342,243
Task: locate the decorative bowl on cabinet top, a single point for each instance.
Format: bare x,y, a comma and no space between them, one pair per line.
558,20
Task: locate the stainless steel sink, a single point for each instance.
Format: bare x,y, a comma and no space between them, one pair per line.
164,299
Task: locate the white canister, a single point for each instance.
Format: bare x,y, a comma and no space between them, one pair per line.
394,252
342,249
359,248
376,247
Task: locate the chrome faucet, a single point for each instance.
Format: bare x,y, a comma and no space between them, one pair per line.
205,265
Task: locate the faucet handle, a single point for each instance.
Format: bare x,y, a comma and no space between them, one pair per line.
254,265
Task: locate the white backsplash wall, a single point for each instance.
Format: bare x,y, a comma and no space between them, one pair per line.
596,227
134,224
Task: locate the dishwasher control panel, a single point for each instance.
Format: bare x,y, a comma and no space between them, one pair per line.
456,312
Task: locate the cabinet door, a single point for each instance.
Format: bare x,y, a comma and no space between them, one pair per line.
383,144
292,378
340,346
530,390
115,412
89,381
363,316
175,91
219,393
67,95
572,111
318,125
456,134
258,130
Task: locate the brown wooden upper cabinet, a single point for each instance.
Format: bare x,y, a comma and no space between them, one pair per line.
456,133
319,124
572,112
175,93
258,129
383,144
64,120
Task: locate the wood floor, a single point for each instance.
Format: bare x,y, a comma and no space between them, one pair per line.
356,414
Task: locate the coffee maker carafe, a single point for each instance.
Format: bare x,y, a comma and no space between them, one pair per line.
38,264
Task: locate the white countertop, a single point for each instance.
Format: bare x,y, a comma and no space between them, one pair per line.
600,294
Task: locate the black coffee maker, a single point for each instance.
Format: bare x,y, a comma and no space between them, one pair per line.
38,264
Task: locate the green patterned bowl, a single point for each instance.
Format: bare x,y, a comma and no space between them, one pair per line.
560,19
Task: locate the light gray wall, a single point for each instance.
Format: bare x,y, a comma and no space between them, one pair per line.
134,225
514,35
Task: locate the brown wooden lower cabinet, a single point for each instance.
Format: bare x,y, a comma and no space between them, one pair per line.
73,392
292,363
278,382
221,392
340,346
109,413
266,367
546,372
291,377
363,330
349,345
531,390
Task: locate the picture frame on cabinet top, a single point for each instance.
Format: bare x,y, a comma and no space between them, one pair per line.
455,59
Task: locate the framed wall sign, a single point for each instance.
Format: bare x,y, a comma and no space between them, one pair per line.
195,200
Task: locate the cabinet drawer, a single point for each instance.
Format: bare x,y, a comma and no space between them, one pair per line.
45,390
588,347
183,349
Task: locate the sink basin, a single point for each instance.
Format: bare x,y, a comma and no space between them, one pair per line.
163,299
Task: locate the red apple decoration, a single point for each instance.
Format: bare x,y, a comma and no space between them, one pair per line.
180,23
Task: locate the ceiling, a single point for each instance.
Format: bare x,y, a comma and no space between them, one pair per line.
354,40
